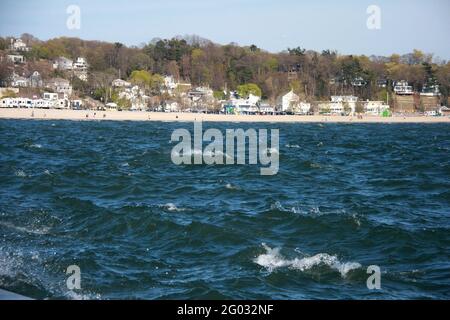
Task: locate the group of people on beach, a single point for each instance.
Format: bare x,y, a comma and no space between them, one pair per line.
95,113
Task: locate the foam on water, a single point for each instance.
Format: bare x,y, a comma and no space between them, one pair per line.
36,231
229,186
20,174
72,295
172,207
272,260
314,211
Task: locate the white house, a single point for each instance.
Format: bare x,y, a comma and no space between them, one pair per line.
119,83
18,45
339,105
303,108
80,69
50,96
63,63
52,100
172,106
289,101
49,100
266,108
111,106
136,96
375,108
344,101
19,81
403,88
170,83
245,106
80,64
16,103
15,58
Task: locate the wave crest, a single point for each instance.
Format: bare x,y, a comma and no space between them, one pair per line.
272,260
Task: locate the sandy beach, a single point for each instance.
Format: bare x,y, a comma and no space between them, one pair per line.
54,114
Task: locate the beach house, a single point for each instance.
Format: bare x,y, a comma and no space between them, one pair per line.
201,98
249,105
403,88
288,101
51,100
266,108
16,103
375,108
339,105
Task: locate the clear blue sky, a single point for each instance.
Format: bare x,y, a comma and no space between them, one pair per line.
272,25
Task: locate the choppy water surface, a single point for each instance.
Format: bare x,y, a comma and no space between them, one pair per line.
106,197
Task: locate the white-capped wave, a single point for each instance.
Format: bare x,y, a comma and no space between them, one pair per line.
172,207
20,174
230,186
36,231
296,146
315,212
36,145
72,295
272,260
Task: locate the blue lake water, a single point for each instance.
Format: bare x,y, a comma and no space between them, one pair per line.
106,197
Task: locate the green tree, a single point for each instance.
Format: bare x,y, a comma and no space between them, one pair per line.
141,77
250,88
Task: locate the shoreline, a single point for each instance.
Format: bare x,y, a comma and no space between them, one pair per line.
86,115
